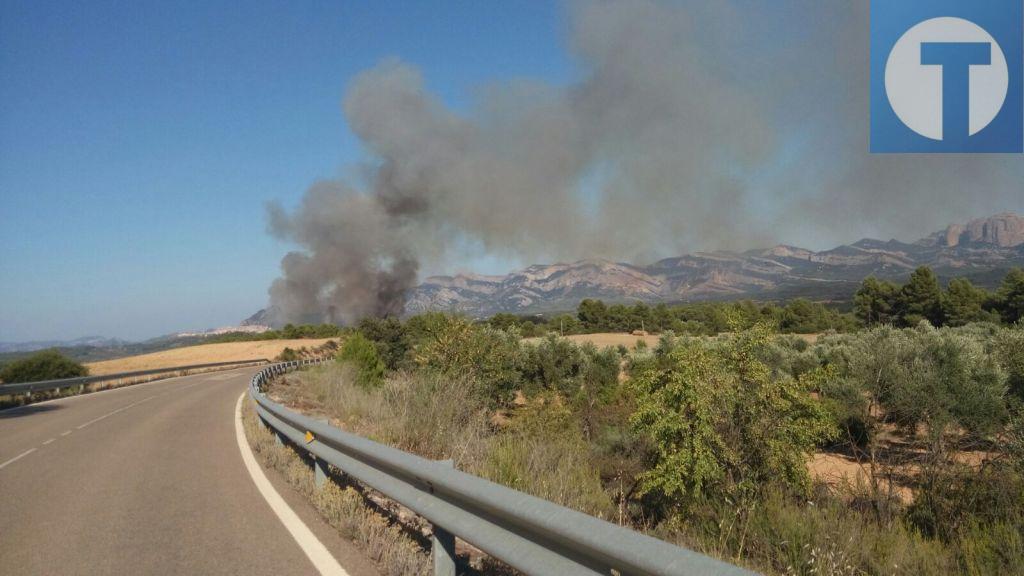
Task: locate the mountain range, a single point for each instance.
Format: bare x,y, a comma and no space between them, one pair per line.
86,341
981,250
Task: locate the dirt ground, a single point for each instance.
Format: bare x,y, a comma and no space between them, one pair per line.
904,465
202,354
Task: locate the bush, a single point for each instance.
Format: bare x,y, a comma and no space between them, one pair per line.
554,364
288,355
44,365
390,338
722,426
1010,350
490,360
362,355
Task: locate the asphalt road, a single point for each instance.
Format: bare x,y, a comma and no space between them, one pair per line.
146,479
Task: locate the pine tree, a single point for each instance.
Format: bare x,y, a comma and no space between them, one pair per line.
920,299
874,301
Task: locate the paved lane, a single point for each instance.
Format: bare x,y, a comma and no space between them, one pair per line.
142,480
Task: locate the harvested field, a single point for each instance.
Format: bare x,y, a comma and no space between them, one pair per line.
605,339
203,354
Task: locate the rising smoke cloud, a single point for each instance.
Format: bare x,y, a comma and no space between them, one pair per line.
690,129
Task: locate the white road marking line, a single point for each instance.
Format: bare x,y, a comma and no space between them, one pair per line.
48,441
121,409
18,457
65,433
317,553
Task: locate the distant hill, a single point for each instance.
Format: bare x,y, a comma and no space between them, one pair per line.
94,341
95,349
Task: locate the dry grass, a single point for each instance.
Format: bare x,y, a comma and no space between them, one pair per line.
433,417
202,354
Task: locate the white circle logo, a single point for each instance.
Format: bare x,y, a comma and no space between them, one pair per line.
915,90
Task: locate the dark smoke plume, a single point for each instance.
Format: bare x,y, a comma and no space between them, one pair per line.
694,126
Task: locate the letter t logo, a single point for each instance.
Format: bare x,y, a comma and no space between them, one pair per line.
956,59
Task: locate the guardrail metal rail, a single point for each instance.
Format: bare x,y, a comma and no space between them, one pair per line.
527,533
64,383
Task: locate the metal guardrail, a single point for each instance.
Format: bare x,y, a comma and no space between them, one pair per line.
527,533
48,385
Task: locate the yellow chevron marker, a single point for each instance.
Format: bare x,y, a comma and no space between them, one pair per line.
309,437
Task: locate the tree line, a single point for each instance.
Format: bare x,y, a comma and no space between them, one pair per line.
799,316
876,302
922,298
288,332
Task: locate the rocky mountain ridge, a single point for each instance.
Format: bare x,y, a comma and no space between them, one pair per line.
981,249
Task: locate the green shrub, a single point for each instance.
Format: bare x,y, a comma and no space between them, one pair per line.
390,337
44,365
490,360
554,364
722,427
362,355
288,355
1010,351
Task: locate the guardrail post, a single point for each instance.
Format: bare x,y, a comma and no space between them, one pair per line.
319,464
443,551
320,472
442,543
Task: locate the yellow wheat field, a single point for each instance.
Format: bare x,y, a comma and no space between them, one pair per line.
202,354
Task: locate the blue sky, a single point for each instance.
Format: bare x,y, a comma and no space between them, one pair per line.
140,142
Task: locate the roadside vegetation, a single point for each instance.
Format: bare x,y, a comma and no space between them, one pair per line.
715,441
42,365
